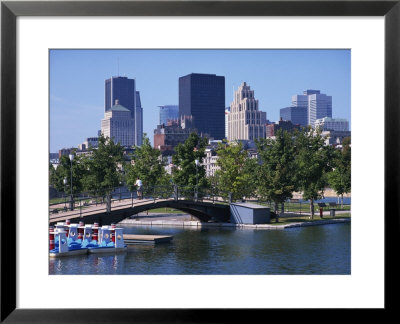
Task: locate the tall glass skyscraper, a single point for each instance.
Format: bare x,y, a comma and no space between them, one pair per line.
121,89
318,105
168,112
124,90
203,97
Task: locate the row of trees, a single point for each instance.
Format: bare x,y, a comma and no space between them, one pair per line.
291,162
106,167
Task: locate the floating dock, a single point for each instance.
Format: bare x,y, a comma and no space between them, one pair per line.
146,239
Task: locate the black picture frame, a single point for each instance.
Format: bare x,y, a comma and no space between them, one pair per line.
10,10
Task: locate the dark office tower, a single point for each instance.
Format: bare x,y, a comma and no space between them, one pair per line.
202,96
121,89
124,90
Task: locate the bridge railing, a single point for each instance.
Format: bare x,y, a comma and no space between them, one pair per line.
119,198
123,198
210,194
78,206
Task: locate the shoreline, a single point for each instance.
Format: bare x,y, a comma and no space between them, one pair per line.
172,221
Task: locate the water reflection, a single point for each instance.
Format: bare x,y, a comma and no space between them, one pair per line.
309,250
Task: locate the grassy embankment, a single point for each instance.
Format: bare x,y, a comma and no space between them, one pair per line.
305,207
166,211
306,218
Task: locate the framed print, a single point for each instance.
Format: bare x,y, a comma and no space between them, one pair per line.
31,30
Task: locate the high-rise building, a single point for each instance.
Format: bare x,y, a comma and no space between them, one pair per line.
318,105
332,124
203,97
227,112
121,89
297,115
124,90
300,101
138,120
245,121
118,125
168,112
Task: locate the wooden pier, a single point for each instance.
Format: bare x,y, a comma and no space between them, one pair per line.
146,239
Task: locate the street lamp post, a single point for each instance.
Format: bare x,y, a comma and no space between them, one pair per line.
65,190
122,181
197,179
71,203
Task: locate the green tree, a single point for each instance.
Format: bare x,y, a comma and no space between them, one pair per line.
313,160
340,177
275,180
54,178
185,173
103,168
63,171
235,173
147,166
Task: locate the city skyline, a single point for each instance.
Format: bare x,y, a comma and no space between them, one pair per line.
77,82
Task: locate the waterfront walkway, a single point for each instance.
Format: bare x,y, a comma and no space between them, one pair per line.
197,224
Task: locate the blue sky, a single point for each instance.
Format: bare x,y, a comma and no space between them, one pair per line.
77,82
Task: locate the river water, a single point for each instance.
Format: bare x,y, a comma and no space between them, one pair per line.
324,249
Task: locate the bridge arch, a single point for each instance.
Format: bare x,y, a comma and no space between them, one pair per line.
204,211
